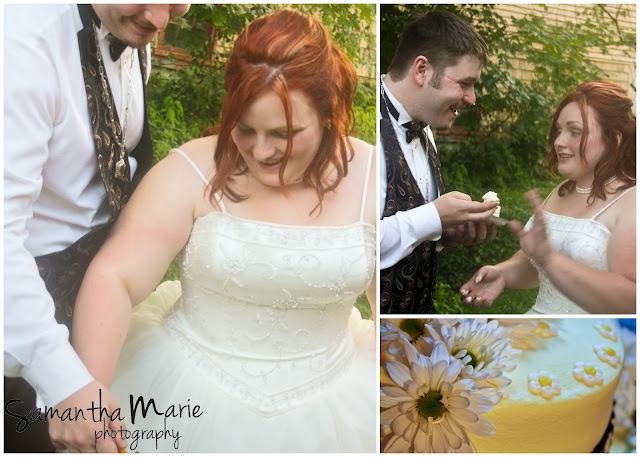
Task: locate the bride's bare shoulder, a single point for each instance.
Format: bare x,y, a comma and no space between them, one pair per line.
627,202
200,151
361,151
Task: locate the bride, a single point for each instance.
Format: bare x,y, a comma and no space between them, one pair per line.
580,244
258,348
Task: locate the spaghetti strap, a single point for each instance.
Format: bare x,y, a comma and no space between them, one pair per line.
193,165
366,182
612,202
545,200
202,176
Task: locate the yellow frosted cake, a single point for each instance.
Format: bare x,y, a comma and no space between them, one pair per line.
498,385
585,361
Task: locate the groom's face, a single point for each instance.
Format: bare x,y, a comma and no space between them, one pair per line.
447,91
137,24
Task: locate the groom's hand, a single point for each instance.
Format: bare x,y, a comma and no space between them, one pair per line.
455,208
88,434
469,234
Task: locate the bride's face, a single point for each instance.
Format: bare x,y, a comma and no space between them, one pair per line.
570,129
261,137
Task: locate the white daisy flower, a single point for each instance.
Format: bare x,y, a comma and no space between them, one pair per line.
523,335
393,331
607,354
484,346
606,331
588,374
544,384
432,409
546,329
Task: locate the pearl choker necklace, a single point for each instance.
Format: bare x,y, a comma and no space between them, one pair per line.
588,190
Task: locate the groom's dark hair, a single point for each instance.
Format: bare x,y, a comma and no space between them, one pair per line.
441,37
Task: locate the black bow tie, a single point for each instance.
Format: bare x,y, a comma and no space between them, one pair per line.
415,129
116,47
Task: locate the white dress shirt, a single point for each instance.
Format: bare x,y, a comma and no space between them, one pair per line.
401,233
53,193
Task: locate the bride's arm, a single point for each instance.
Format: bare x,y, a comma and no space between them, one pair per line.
151,230
612,291
518,272
371,203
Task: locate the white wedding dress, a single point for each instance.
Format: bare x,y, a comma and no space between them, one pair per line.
261,334
583,240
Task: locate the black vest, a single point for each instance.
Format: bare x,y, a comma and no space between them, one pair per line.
62,272
407,287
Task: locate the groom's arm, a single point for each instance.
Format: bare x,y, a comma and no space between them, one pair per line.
402,232
36,347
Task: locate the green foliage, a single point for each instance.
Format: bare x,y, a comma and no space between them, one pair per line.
364,106
168,118
363,306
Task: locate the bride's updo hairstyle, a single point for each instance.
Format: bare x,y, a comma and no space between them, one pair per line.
613,112
283,52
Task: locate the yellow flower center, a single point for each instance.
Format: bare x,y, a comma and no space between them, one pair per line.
609,351
475,359
413,327
429,405
606,327
590,370
544,381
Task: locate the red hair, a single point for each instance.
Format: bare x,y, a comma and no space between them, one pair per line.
612,107
283,52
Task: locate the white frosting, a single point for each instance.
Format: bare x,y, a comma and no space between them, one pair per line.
575,418
491,196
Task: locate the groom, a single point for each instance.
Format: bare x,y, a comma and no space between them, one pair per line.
76,143
431,77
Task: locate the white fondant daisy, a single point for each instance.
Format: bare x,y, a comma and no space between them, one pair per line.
484,346
432,409
588,374
607,354
393,331
546,329
544,384
606,331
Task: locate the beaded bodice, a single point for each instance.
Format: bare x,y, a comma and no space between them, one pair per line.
583,240
265,307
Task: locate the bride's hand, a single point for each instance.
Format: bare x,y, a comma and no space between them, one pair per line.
483,288
534,242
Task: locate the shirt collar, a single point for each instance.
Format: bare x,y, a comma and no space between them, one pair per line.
403,116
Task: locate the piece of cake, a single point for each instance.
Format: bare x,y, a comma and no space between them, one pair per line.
491,196
558,396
